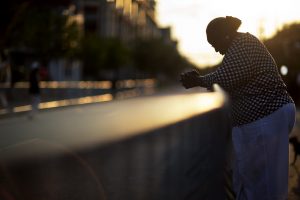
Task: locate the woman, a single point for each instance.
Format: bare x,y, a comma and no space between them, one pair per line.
263,113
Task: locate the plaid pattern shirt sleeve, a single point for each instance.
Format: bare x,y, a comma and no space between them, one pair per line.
235,70
250,76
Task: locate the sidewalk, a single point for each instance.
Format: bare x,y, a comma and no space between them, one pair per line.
294,170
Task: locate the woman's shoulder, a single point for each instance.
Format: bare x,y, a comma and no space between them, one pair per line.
246,37
246,40
243,42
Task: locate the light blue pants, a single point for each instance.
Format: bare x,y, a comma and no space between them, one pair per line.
261,156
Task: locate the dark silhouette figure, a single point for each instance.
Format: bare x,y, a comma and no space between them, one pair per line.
5,77
262,111
34,89
296,146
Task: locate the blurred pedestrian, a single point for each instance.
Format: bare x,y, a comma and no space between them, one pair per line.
263,113
5,81
34,88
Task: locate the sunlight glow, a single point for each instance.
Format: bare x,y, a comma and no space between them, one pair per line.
189,19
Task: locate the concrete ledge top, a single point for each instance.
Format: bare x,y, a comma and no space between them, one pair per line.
97,124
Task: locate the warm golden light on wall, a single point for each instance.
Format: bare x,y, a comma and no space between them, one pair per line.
134,11
127,7
119,4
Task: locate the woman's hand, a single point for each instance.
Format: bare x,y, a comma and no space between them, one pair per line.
190,79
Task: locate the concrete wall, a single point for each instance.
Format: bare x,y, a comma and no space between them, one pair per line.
151,148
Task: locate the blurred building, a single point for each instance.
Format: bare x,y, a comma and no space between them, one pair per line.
125,19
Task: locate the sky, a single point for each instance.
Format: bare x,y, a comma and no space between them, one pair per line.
189,18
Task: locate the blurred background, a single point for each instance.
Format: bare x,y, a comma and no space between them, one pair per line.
75,41
57,53
81,44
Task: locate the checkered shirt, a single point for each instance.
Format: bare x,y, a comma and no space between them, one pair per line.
249,75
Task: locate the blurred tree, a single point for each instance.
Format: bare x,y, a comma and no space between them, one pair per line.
103,53
156,57
92,53
285,48
47,32
36,30
12,11
117,54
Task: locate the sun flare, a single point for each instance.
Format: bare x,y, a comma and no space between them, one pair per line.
189,18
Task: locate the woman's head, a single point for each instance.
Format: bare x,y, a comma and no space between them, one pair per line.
221,31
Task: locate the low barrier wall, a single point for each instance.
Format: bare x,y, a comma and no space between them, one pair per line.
150,148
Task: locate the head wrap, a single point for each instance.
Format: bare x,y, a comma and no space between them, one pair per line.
222,26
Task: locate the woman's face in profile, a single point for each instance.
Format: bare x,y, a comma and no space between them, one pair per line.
219,45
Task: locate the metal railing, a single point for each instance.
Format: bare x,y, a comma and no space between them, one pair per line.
148,148
66,93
